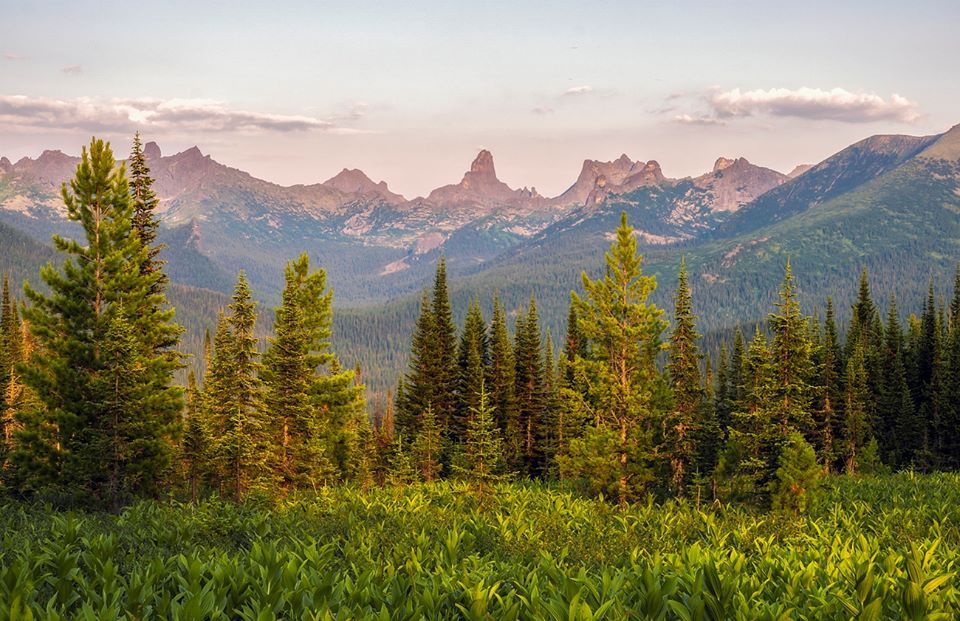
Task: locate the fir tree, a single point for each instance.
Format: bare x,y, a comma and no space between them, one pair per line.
624,336
484,455
856,415
681,425
98,282
242,446
737,361
444,349
145,222
196,445
418,389
501,371
798,477
792,362
429,445
952,381
831,397
723,400
549,434
750,457
898,432
529,391
472,360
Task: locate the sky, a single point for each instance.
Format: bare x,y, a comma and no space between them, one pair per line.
409,91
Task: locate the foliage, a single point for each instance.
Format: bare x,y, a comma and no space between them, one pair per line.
875,548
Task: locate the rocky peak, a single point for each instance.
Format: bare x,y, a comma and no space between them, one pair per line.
355,182
151,151
735,182
479,186
798,170
5,165
722,163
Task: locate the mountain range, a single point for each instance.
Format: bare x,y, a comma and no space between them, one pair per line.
887,203
372,234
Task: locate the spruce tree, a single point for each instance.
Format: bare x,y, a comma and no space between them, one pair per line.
145,222
794,488
444,348
792,363
548,437
484,456
899,433
737,361
242,446
723,401
418,389
750,456
624,335
857,432
428,445
681,424
196,445
96,284
287,376
472,360
529,392
830,398
952,381
501,369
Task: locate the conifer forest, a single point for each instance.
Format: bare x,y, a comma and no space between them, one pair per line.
621,469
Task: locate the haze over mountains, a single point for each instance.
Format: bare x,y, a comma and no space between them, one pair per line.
887,203
471,221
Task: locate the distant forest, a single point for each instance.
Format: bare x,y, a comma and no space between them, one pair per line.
624,404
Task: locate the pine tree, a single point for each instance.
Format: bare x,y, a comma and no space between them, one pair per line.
573,407
792,363
196,444
737,361
830,388
472,360
624,336
548,438
681,425
898,432
243,442
288,372
529,392
444,349
10,357
98,282
429,445
400,468
145,222
749,459
930,371
501,371
418,389
484,456
798,477
857,431
723,400
952,381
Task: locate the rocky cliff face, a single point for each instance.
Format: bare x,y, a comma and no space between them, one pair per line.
735,182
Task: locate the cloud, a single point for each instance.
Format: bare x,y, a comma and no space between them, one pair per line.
126,115
687,119
813,103
72,70
12,56
542,110
578,90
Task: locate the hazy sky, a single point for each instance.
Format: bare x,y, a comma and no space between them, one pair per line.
408,90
